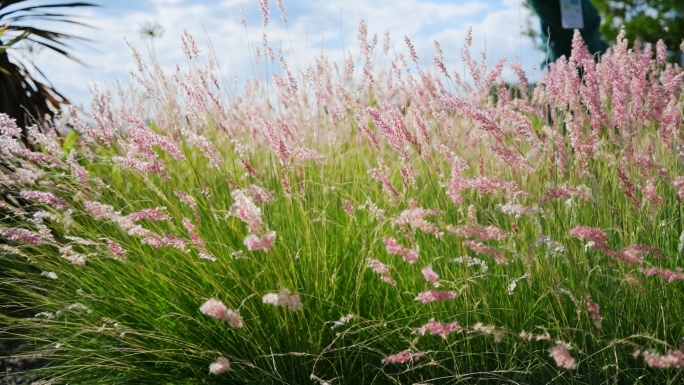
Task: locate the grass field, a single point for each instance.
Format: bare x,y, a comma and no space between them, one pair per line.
348,224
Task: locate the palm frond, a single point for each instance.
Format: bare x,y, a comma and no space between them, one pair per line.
25,92
6,4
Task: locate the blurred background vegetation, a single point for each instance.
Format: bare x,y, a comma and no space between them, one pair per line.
645,21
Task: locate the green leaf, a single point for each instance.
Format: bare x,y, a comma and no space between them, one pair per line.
70,141
14,41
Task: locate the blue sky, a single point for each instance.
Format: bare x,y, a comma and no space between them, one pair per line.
313,27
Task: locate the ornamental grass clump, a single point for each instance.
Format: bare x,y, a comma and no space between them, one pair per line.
196,234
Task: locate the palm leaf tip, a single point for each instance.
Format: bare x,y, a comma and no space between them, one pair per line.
27,95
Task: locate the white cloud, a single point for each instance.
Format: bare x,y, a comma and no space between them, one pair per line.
313,27
166,2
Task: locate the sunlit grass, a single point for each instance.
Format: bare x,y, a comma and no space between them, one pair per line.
139,320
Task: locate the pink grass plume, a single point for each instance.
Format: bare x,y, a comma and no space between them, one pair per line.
149,214
189,46
219,366
673,359
561,354
283,298
116,249
265,242
44,197
667,274
244,208
380,269
393,247
263,7
434,295
216,309
22,235
438,328
430,275
403,357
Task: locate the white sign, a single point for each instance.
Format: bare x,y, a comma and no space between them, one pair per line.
571,14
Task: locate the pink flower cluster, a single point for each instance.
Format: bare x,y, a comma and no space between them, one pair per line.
259,194
392,127
673,359
484,185
483,116
636,252
100,210
11,208
393,247
204,254
216,309
306,154
403,357
650,192
598,240
250,169
264,243
283,298
165,240
438,328
185,198
592,234
116,249
142,138
277,144
77,171
196,239
70,255
44,197
148,214
143,166
348,207
483,249
561,354
430,275
219,366
565,191
670,275
415,217
627,187
8,126
457,182
22,235
381,269
263,6
245,209
593,309
483,233
41,158
434,295
381,174
678,184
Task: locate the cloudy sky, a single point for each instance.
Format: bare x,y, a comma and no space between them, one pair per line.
313,27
